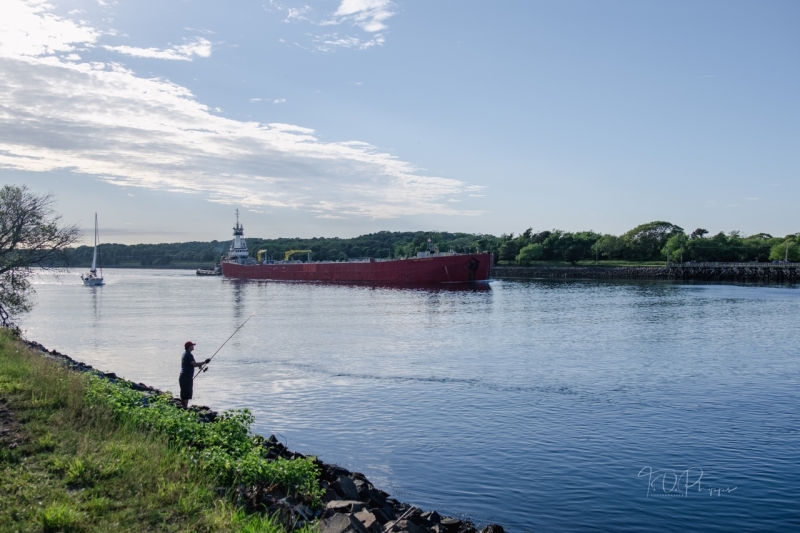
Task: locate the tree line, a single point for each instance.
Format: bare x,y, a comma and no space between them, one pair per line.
384,244
654,241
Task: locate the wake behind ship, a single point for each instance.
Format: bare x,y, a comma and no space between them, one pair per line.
427,267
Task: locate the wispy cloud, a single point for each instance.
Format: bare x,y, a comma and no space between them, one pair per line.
199,46
105,120
279,100
369,15
331,41
297,13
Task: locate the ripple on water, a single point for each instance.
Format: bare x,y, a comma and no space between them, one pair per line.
534,404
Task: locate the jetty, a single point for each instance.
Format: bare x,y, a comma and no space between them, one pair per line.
732,272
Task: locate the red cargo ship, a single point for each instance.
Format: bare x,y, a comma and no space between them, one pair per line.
427,267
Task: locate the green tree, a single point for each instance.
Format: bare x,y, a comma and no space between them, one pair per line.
573,253
675,249
645,242
780,251
509,250
31,235
610,245
530,253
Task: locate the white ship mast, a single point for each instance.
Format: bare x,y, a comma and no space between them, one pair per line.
238,250
93,270
92,279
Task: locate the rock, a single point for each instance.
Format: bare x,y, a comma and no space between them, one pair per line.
383,514
368,520
341,523
346,488
331,473
345,506
415,515
362,486
329,496
408,526
450,525
376,498
434,517
493,528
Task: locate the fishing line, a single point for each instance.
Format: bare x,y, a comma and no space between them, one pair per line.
205,366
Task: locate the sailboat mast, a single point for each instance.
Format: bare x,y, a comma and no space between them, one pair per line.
94,256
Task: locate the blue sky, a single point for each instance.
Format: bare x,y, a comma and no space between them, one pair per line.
343,117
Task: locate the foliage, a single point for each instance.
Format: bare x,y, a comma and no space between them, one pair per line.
530,253
30,235
647,240
225,450
780,251
60,517
79,466
731,247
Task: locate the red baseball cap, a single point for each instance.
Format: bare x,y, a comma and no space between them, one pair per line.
188,344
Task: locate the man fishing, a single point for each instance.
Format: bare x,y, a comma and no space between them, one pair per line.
186,379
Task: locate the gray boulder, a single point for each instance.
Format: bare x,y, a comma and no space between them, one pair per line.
341,523
345,487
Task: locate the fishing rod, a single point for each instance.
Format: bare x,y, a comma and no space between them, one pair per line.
204,368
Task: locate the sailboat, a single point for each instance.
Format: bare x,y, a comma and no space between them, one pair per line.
92,279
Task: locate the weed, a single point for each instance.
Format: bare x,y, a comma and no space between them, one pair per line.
77,473
46,443
97,505
8,456
60,517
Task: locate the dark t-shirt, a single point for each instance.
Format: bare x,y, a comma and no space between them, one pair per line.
186,364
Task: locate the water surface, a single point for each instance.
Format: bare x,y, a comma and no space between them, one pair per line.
537,404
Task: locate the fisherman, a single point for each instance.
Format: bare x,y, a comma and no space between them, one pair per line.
186,380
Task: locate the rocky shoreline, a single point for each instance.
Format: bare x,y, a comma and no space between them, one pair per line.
351,503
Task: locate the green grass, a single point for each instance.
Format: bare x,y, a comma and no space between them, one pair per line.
88,459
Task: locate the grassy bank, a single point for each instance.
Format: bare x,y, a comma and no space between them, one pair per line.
78,453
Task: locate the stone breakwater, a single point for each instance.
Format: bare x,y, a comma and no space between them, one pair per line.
735,272
510,272
351,503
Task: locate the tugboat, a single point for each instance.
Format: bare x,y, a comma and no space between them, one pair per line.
427,267
91,279
216,270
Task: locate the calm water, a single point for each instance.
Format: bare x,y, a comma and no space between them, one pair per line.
536,404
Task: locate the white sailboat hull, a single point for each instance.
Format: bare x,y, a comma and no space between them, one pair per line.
92,281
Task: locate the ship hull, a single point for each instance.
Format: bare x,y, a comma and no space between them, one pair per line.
447,269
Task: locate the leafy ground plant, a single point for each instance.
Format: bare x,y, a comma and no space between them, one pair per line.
81,454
